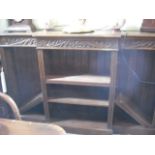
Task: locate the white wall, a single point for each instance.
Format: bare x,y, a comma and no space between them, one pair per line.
3,24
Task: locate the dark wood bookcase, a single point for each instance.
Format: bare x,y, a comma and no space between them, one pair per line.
90,83
79,70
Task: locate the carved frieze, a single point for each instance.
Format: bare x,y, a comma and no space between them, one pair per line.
138,44
78,44
17,41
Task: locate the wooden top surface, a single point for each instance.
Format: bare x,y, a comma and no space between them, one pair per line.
138,34
21,34
16,127
108,34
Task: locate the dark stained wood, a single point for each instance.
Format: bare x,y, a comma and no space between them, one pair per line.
66,55
112,95
32,103
21,72
43,84
83,126
79,101
144,35
81,80
79,62
102,34
138,44
14,127
7,63
131,129
76,126
148,25
70,63
118,128
81,92
130,108
17,41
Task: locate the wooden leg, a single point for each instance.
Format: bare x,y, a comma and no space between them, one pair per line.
43,84
112,88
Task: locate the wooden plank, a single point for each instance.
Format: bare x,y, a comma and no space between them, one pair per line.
74,125
112,94
132,129
14,127
81,49
80,101
81,80
43,85
32,103
103,34
132,110
83,126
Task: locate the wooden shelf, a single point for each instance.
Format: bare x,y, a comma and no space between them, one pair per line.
74,126
133,129
80,80
80,101
83,126
132,110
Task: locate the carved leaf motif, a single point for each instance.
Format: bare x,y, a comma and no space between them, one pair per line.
138,44
13,41
70,43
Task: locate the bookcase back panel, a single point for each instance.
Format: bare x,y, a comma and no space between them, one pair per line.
137,79
60,91
60,62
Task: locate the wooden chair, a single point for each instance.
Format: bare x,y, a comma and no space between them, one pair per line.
17,126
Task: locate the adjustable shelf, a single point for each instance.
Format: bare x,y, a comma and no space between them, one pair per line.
79,101
80,80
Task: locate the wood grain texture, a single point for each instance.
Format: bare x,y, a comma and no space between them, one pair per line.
18,41
79,54
125,128
21,73
75,43
43,84
138,44
80,101
84,126
32,103
81,80
132,110
112,93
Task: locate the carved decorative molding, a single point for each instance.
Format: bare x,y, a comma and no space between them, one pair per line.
17,41
78,44
138,44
